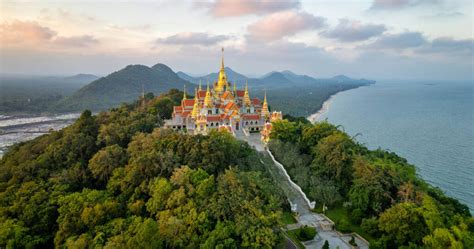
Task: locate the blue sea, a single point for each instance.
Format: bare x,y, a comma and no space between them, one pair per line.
431,123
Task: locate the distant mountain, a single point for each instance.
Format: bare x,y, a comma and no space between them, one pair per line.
277,79
187,77
84,78
232,76
273,79
341,78
124,85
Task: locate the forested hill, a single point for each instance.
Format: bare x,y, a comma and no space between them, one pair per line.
116,180
122,86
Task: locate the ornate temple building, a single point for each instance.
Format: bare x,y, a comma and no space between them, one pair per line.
223,107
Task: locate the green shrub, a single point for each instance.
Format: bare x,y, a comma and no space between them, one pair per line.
343,225
306,233
326,245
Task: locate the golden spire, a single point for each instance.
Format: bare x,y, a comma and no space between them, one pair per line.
200,85
208,99
235,87
196,108
265,111
222,80
184,93
222,59
247,101
265,97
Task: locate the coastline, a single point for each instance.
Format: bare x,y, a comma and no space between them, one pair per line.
324,108
326,104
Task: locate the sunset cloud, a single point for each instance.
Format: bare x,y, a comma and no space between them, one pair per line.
351,31
32,35
232,8
282,24
192,38
24,32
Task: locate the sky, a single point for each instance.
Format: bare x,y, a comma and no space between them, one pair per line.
375,39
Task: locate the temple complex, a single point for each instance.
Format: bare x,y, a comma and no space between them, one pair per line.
223,107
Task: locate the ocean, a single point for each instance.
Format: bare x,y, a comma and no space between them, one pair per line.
430,123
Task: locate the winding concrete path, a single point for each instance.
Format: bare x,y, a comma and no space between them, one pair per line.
301,204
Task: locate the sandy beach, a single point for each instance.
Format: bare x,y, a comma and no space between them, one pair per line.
315,116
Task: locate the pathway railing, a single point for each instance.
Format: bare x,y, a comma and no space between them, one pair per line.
311,204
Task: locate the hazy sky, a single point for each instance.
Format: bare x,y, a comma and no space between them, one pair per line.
407,39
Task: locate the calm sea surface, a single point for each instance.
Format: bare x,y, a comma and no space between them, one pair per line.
429,123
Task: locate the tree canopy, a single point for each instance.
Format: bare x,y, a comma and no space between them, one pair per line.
119,180
381,190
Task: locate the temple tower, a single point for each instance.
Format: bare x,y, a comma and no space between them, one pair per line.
222,80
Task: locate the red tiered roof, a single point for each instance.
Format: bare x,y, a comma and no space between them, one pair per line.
227,95
250,116
255,101
202,93
188,102
214,118
178,108
240,93
229,105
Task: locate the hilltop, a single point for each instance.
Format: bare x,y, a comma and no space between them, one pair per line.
122,86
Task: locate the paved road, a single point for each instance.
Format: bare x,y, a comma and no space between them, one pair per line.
305,215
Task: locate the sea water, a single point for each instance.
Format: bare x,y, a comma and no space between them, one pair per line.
430,123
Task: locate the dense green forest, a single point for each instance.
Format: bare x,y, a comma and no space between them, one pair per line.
379,192
117,180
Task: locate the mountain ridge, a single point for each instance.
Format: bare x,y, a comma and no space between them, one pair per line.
122,86
275,78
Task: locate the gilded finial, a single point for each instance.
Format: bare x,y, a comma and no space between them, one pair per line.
222,60
184,93
200,85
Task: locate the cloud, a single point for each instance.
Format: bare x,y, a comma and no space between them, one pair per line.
192,38
30,34
351,31
282,24
418,44
233,8
24,31
450,46
76,41
398,4
399,41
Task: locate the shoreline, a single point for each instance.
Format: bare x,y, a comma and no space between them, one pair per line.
326,104
324,108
